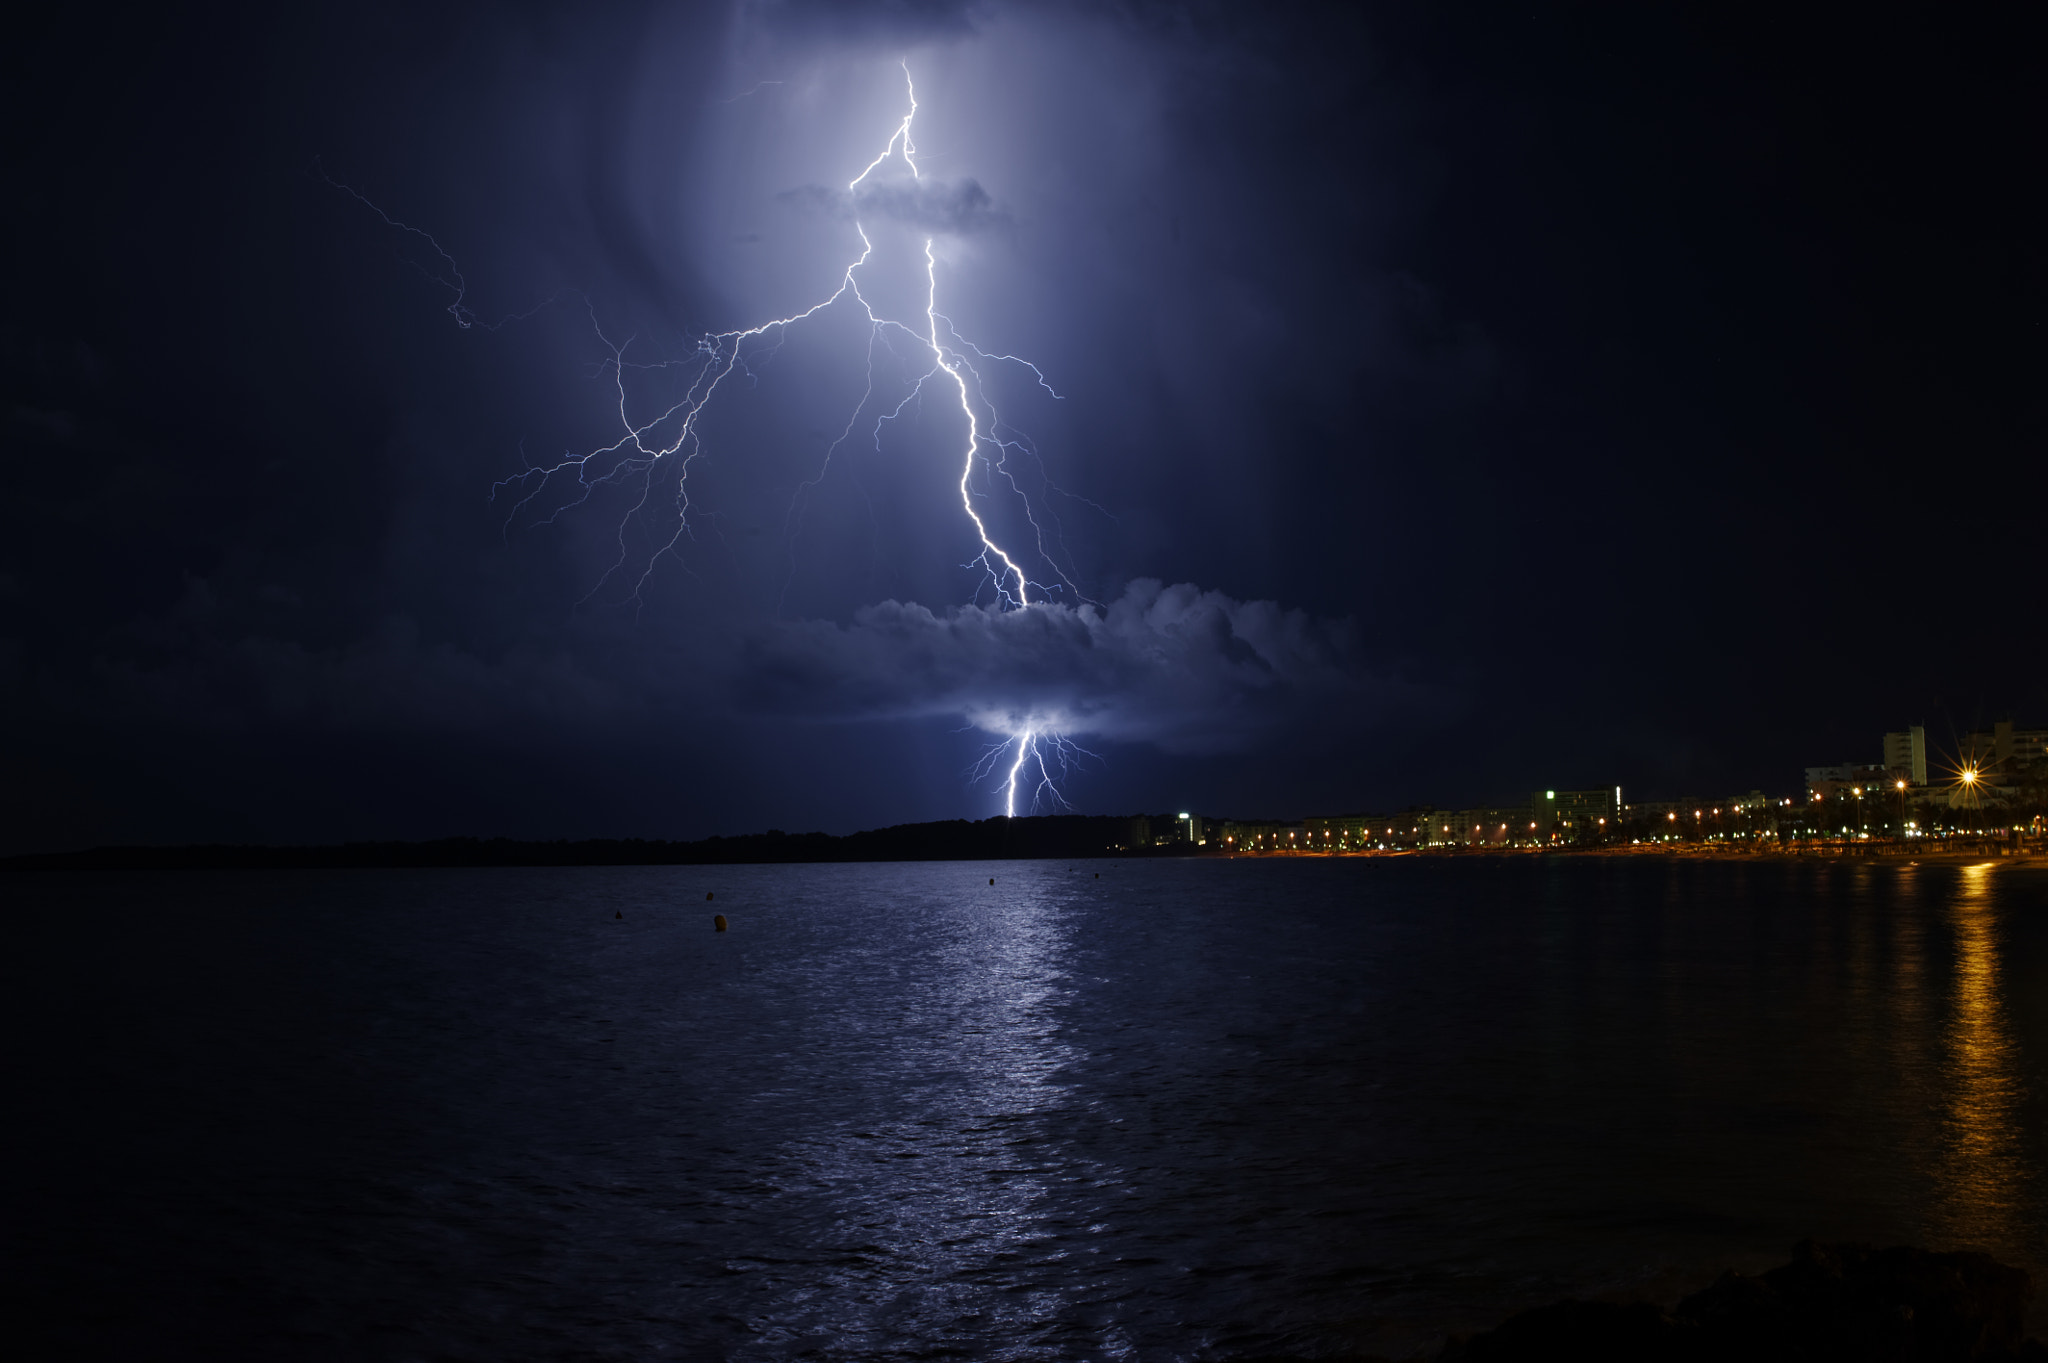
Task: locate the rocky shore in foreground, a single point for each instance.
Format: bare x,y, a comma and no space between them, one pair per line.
1832,1302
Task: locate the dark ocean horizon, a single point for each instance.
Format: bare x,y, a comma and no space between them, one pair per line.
1151,1110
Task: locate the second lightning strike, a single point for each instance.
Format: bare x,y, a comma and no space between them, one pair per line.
639,450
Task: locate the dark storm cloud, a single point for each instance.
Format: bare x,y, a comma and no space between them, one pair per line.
952,208
1181,669
1187,670
867,21
183,668
1184,670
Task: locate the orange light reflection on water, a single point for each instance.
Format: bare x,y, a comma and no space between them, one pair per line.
1981,1171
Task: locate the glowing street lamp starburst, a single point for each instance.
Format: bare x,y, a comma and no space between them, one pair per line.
1970,779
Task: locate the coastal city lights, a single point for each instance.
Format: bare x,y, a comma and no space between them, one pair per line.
1997,792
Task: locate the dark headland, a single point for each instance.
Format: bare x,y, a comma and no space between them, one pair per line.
1042,837
1831,1304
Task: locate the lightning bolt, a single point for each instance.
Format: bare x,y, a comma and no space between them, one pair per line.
1039,758
670,436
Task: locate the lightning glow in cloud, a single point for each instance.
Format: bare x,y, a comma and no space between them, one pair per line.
674,432
672,436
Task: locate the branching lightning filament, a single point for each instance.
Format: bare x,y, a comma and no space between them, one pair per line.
672,434
1034,761
671,437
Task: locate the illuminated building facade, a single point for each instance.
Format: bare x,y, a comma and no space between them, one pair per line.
1569,815
1824,783
1263,835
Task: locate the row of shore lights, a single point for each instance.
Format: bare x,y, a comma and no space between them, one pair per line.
1969,778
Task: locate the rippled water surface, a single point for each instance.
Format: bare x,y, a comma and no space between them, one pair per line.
1182,1111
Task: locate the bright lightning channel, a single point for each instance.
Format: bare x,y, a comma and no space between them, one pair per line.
1049,754
716,357
673,434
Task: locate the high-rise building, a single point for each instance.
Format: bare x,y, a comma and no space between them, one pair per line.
1906,751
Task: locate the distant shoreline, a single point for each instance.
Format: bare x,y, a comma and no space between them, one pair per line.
1045,838
2007,855
2027,857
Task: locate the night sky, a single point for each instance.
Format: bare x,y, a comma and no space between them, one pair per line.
1453,404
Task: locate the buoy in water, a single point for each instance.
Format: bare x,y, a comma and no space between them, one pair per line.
718,922
707,895
1098,875
621,913
991,880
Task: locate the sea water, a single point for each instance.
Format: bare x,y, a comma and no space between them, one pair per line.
1145,1110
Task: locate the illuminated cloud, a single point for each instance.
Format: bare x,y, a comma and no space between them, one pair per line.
958,208
1187,670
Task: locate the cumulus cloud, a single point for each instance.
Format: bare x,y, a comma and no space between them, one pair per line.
1187,670
959,208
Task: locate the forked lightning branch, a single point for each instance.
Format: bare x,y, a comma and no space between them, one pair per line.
656,447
